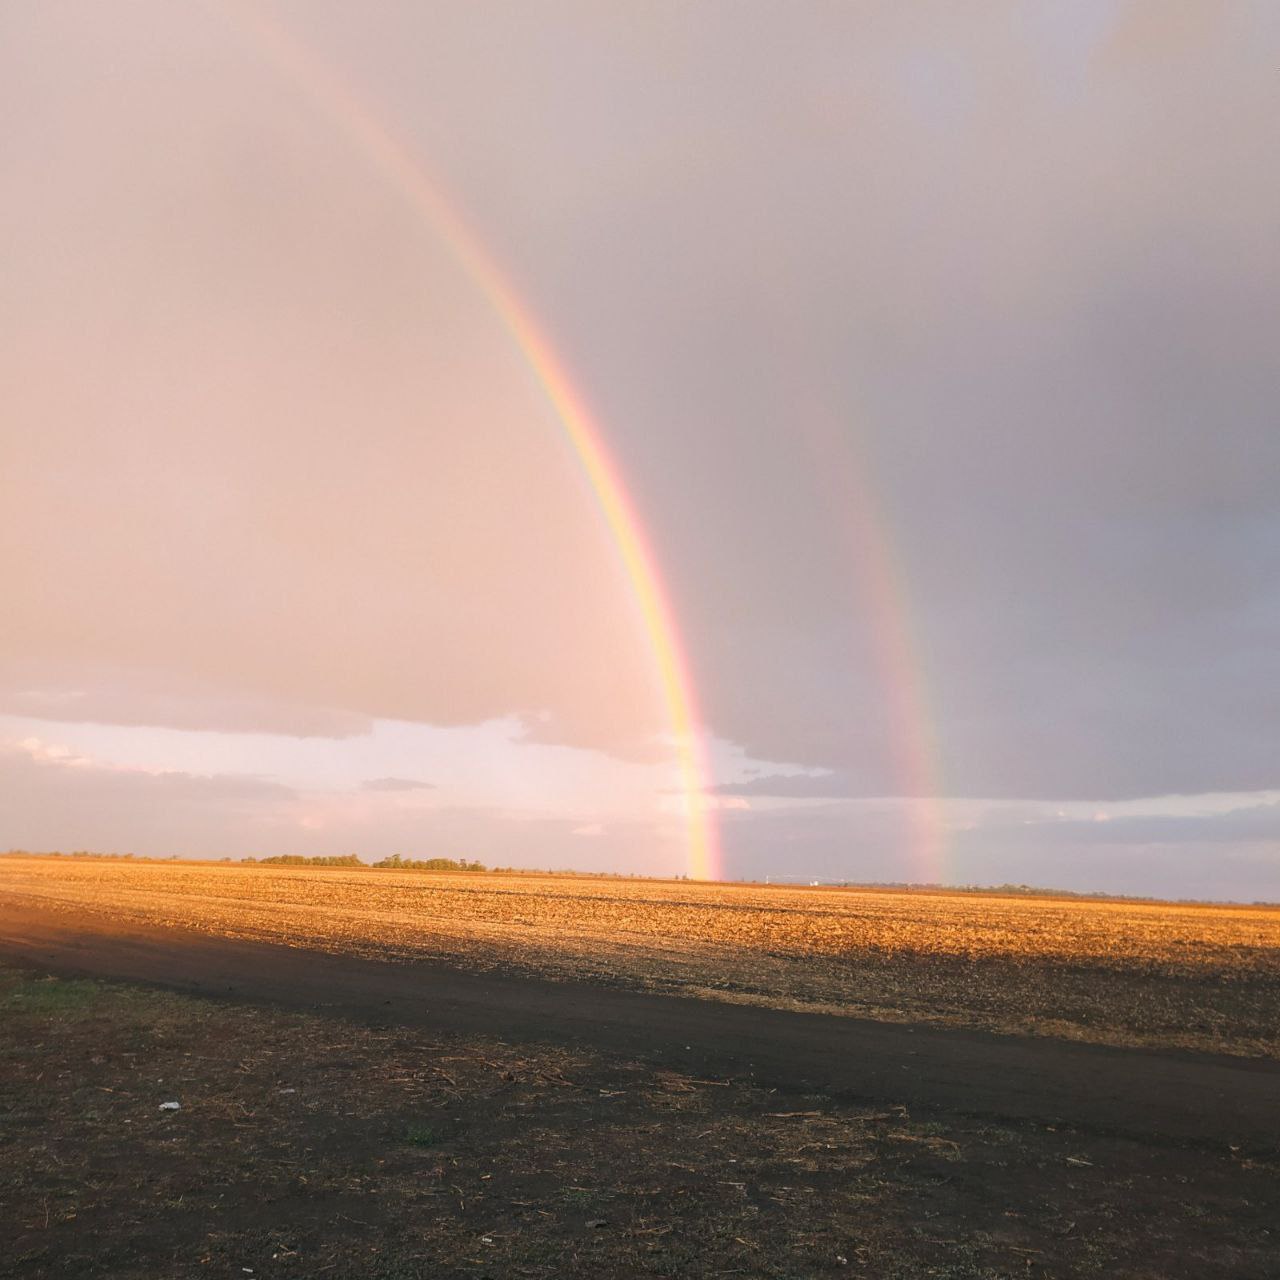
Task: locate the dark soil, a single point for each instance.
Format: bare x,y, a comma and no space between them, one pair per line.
1163,1096
426,1125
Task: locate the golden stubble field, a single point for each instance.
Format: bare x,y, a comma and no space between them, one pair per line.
1196,977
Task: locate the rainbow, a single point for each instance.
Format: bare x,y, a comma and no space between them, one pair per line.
327,92
881,586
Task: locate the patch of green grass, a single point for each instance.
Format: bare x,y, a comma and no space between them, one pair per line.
52,996
71,999
421,1135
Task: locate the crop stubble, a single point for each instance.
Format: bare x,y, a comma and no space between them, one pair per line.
1197,977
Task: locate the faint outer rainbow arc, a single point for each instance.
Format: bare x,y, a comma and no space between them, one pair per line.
843,480
349,114
881,581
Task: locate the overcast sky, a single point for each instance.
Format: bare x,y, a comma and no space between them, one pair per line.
935,345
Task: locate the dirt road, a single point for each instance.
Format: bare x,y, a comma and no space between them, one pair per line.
1181,1099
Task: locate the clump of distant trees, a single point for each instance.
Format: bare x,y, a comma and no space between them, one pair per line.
297,860
393,863
396,863
84,853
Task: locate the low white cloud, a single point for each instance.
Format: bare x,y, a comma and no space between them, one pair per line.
53,798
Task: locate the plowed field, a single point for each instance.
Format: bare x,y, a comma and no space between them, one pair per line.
1199,977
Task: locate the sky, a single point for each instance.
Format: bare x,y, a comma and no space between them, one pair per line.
931,348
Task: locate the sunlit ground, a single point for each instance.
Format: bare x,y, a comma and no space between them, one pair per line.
1112,972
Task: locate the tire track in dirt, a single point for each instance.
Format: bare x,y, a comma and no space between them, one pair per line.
1162,1097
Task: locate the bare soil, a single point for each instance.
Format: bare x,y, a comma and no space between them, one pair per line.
307,1145
1218,1101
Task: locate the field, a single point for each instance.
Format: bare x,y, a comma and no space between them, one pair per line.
307,1146
1131,974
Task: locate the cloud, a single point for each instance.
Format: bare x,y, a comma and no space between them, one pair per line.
95,692
52,760
946,400
396,784
333,492
975,465
55,800
1248,824
828,785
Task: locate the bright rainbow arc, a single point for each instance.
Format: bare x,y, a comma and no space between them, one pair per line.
638,562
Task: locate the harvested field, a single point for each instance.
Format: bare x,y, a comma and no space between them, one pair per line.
1198,977
306,1146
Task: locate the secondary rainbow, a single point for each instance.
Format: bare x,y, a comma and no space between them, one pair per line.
397,163
842,479
881,585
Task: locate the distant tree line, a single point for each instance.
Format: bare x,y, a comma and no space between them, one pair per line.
297,860
396,863
84,853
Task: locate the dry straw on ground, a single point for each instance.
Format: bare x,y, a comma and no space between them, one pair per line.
1201,977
